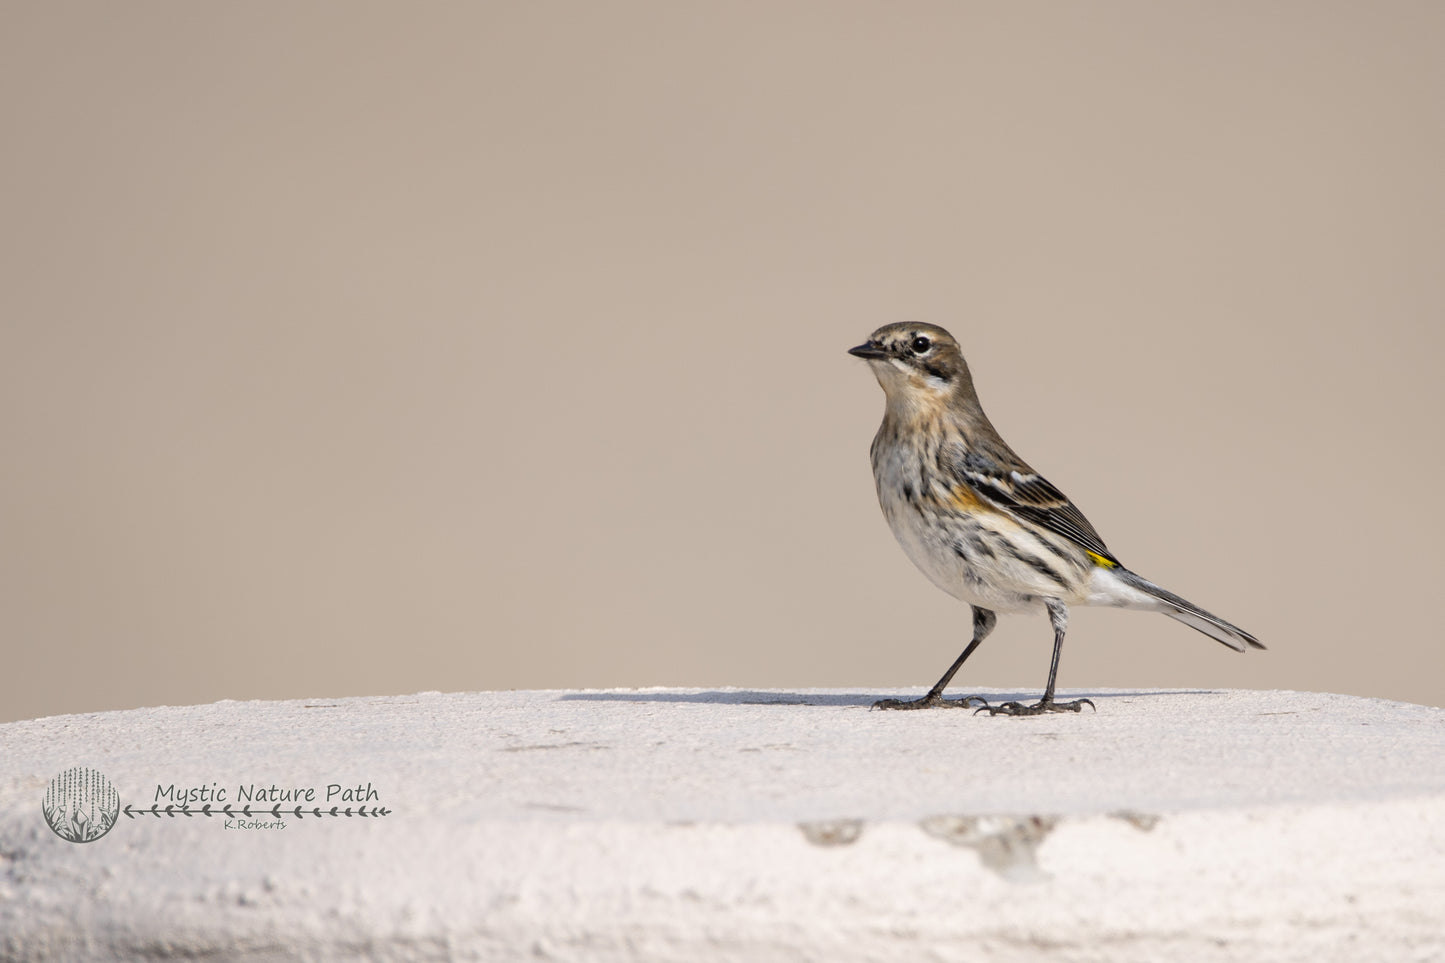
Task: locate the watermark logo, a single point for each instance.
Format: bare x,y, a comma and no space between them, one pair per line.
81,805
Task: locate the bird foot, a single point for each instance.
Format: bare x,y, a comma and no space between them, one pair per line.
931,701
1037,709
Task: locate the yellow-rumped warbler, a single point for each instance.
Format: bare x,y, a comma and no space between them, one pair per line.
983,525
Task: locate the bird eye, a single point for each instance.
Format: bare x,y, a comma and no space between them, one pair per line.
921,345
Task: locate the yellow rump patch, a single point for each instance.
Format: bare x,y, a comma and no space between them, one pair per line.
1101,561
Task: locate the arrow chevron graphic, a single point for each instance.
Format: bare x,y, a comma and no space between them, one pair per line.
248,812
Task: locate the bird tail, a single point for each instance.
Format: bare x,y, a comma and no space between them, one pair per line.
1190,614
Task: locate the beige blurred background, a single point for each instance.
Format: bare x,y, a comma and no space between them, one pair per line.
371,348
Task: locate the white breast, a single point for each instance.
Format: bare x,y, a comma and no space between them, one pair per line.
963,554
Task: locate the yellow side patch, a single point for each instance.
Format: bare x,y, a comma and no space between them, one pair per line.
964,498
1101,561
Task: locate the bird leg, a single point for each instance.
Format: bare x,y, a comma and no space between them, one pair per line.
983,623
1059,616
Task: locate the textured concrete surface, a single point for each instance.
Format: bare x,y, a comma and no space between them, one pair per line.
737,825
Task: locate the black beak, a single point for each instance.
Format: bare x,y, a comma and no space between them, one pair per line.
868,351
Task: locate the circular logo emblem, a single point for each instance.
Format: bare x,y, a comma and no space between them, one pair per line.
81,805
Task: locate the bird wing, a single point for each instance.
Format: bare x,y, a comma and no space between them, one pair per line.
1019,490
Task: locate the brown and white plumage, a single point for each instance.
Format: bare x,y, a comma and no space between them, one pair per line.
977,519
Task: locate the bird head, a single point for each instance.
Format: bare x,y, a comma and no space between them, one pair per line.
917,364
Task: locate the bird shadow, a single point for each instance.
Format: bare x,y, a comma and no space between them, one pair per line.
772,697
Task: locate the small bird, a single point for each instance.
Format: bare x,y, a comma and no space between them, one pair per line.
980,523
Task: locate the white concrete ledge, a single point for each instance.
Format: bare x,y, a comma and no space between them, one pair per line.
741,825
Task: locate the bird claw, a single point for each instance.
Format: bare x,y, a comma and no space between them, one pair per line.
932,702
1037,709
